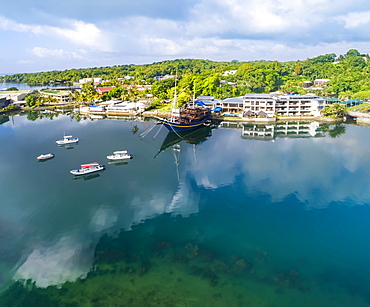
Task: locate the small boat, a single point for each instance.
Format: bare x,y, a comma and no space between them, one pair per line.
120,155
45,156
88,168
67,139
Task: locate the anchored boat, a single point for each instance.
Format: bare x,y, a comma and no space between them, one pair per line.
88,168
45,156
67,139
120,155
187,118
190,117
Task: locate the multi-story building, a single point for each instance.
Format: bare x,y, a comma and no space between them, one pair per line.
61,96
269,105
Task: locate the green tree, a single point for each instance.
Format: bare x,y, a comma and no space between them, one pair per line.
161,89
335,110
31,100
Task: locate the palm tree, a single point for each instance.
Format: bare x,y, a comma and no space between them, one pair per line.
335,109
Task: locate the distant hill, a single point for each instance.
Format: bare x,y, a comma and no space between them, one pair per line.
348,75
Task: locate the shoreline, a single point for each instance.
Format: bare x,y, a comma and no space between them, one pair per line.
363,119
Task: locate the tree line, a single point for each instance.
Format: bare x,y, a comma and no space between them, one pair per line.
349,76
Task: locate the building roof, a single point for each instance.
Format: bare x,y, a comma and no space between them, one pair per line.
14,92
234,99
104,89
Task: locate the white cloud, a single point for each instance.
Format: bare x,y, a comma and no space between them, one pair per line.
7,24
218,30
76,32
354,19
84,34
59,53
55,264
291,166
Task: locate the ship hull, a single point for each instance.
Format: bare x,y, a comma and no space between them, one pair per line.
176,126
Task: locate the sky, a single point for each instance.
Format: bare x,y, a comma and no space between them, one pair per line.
49,35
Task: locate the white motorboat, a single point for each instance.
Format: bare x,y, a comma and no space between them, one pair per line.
120,155
88,168
67,139
45,156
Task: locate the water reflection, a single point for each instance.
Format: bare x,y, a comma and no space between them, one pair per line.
195,137
4,119
233,210
117,163
87,177
286,129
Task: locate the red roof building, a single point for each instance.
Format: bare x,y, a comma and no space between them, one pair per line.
103,90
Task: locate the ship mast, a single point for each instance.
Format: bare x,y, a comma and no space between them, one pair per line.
174,105
194,95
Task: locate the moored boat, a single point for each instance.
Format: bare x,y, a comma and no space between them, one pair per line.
67,139
45,156
187,118
120,155
88,168
190,117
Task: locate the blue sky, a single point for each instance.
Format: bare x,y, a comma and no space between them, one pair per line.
44,35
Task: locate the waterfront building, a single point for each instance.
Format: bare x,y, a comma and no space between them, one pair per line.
60,96
14,96
209,101
233,106
269,105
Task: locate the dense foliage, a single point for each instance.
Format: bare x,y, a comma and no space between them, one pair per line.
349,76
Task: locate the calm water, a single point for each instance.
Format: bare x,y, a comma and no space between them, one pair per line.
24,86
222,218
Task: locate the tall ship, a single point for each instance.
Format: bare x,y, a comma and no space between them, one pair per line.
192,116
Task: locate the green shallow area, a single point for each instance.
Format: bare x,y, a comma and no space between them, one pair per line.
132,269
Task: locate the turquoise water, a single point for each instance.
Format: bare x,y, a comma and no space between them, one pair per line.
219,219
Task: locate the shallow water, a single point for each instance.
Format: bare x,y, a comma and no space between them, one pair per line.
221,218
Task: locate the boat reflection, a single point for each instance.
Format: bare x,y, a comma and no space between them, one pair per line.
67,146
87,177
117,163
194,136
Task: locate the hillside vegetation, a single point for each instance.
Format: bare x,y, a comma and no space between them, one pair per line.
349,76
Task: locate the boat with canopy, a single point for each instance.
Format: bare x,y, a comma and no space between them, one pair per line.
88,168
67,139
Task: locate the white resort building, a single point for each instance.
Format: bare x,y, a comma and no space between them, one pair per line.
269,105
